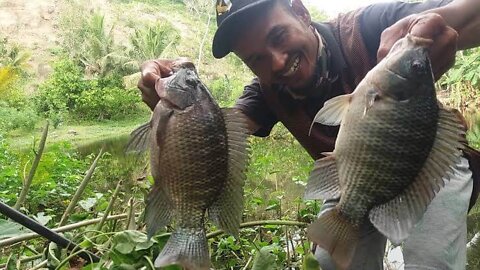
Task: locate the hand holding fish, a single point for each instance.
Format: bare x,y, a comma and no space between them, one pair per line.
153,71
429,26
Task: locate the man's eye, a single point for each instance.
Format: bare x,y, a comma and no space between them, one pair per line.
279,37
255,60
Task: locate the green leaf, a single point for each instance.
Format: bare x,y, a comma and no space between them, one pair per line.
10,229
42,218
11,262
87,204
127,241
53,254
310,263
123,266
265,260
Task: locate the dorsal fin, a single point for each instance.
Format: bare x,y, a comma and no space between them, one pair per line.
227,211
396,218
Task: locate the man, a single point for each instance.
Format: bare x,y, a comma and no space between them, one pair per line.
300,64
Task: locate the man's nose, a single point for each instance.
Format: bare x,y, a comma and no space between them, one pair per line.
279,59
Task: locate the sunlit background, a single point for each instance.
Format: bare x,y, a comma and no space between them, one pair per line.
334,7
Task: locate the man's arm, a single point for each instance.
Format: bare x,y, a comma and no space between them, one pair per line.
464,17
451,27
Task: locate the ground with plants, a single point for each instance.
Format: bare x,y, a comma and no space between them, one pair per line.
74,65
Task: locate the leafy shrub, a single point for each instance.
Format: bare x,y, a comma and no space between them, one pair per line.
66,91
9,173
56,179
13,73
13,118
106,103
224,90
150,42
62,89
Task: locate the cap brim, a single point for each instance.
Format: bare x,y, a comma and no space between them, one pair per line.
221,45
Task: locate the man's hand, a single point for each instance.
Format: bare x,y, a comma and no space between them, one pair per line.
430,26
152,72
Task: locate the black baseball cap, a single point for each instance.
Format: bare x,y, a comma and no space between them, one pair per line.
231,15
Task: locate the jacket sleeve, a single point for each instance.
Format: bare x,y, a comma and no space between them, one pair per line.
377,17
252,103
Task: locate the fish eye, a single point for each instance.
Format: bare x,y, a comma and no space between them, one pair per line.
190,80
418,66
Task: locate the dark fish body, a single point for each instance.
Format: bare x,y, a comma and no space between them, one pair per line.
198,157
395,147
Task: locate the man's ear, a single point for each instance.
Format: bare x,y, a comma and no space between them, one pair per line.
301,11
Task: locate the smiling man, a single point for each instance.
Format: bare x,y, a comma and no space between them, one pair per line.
300,64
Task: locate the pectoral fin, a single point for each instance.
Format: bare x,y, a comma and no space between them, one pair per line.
139,139
370,98
396,218
227,211
333,111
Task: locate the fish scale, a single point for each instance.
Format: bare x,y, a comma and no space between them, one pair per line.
198,156
395,147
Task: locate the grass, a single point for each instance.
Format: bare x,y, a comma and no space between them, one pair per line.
79,133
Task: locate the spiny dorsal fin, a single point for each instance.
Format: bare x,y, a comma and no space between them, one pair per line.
139,139
396,218
323,182
227,211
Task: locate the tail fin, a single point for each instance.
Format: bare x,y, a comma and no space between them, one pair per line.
337,235
186,247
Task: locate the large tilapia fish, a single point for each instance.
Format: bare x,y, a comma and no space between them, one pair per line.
395,147
198,155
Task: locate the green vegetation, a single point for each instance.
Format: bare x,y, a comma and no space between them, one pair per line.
91,104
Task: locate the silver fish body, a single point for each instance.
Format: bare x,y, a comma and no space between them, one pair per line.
395,147
198,155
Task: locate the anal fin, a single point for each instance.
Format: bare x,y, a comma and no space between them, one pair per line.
158,212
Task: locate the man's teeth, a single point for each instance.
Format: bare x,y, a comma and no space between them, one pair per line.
293,68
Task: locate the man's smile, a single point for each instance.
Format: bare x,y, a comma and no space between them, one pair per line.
292,66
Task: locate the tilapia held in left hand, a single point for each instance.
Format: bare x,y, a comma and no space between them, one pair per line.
198,156
395,147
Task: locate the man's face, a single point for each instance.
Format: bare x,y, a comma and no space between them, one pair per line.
279,47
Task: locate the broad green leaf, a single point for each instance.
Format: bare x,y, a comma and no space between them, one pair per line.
310,263
123,266
265,260
127,241
42,218
87,204
11,262
10,229
54,254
